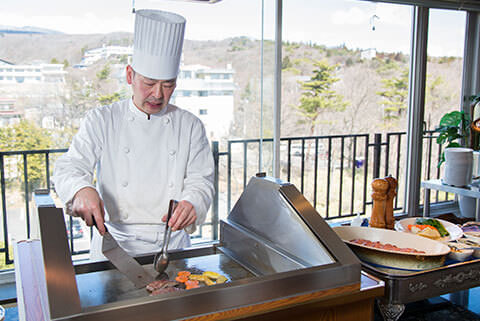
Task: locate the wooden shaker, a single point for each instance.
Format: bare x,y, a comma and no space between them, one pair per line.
391,193
379,196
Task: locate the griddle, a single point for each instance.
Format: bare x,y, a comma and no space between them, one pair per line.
273,245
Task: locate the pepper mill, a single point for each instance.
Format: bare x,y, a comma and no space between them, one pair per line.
391,193
379,196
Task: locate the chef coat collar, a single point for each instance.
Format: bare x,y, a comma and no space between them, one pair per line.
143,115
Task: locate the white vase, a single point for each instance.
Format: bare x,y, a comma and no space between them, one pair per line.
476,165
467,206
458,166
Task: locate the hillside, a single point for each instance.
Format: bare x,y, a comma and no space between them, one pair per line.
359,80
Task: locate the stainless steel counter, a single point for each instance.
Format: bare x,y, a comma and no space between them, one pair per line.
273,247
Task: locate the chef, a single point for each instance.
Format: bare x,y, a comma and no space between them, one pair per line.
141,152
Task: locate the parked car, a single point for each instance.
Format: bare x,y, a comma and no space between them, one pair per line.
76,227
296,150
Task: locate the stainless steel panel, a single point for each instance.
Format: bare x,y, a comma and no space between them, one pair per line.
256,253
263,209
60,275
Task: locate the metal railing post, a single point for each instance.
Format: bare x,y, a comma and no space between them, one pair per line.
25,178
4,210
215,197
377,155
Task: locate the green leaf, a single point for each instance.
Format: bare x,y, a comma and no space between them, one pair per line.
453,118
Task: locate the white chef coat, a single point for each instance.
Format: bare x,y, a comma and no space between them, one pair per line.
140,165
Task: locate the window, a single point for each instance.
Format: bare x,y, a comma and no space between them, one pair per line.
203,93
363,53
202,111
186,74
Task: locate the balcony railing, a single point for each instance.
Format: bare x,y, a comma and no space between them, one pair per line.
333,172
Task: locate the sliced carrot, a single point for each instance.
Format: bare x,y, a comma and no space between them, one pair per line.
419,226
191,283
181,278
183,273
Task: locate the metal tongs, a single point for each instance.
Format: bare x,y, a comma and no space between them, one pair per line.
161,260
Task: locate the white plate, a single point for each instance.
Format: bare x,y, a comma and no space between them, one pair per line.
434,256
402,240
454,230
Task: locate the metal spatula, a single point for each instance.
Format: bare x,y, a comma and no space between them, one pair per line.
124,262
161,260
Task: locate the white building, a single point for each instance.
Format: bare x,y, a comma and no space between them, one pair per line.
31,74
8,114
93,55
207,93
369,53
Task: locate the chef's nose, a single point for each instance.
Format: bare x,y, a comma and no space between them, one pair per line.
157,90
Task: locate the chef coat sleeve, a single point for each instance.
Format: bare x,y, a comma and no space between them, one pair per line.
198,188
74,170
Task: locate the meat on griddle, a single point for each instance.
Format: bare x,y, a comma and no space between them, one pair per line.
162,286
165,290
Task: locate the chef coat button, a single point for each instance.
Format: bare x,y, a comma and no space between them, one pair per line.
172,152
125,184
170,184
126,150
131,118
167,120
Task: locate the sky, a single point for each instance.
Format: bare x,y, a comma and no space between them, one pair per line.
357,24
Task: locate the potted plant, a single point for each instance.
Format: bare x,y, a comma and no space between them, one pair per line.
457,130
454,130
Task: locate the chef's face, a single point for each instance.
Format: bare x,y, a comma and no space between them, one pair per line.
150,95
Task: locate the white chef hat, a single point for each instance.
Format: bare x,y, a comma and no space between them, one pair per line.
157,43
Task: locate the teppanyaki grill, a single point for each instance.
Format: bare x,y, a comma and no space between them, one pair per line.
273,245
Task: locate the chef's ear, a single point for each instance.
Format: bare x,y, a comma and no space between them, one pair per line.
130,73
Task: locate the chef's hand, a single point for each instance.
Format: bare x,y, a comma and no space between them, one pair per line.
88,205
183,216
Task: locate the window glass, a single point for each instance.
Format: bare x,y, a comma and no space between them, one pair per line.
444,83
75,73
360,51
226,78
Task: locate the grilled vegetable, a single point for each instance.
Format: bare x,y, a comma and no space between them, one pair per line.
221,279
435,223
184,273
191,284
181,278
211,275
208,281
198,277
